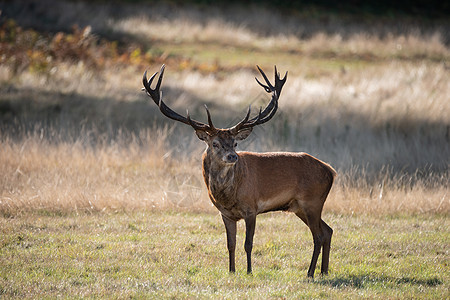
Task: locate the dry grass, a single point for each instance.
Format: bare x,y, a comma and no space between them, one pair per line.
38,175
264,30
370,100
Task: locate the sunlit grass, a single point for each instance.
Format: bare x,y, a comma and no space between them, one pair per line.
142,172
147,254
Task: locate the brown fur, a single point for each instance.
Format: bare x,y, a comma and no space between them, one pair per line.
261,182
295,180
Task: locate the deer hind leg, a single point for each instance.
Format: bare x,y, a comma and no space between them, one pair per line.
313,221
327,233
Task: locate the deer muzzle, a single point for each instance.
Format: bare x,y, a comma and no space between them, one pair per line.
230,158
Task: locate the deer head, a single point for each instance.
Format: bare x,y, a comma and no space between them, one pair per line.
221,142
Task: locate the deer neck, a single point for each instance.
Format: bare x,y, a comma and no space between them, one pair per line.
222,181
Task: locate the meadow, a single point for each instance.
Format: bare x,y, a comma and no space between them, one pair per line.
101,196
182,255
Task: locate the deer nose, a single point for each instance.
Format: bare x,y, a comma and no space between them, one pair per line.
232,158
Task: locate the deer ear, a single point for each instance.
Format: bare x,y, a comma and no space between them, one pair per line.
243,134
203,135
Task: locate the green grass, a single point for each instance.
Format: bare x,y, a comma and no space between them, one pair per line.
226,58
183,255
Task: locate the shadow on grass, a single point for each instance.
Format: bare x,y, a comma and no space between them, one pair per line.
361,281
72,117
53,16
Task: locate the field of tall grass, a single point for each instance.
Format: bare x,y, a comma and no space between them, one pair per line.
77,133
80,143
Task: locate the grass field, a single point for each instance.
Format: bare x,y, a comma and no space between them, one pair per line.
183,255
102,197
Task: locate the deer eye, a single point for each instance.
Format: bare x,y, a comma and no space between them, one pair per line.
235,144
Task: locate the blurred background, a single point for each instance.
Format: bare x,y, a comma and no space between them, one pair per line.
367,91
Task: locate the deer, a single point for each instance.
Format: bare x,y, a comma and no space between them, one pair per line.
242,185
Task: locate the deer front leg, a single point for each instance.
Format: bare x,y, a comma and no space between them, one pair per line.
250,223
230,227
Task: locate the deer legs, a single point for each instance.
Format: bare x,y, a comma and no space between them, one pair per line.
250,223
322,239
328,232
230,226
321,233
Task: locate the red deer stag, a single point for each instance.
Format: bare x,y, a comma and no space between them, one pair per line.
244,184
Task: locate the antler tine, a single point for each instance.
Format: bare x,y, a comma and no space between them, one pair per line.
161,74
248,114
273,104
156,95
210,123
263,118
279,82
270,110
260,118
147,87
268,87
238,126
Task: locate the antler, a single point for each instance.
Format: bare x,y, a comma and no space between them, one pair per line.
156,95
262,117
271,108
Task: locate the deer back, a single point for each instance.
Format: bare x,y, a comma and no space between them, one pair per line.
261,182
